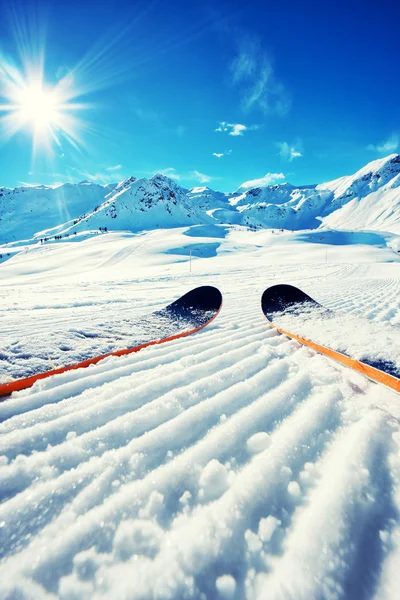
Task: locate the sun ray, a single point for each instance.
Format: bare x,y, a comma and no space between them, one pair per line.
30,104
51,110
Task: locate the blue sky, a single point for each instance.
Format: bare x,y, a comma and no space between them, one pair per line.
210,93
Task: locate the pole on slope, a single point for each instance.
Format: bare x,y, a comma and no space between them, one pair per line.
190,262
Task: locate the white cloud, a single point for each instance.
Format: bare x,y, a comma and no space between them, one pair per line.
101,178
221,154
168,172
29,184
390,145
75,175
289,152
252,71
262,181
238,129
54,184
235,128
201,177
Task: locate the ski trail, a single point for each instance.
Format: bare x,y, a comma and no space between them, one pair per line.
234,453
349,550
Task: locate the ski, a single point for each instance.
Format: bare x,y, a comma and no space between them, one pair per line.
184,316
286,305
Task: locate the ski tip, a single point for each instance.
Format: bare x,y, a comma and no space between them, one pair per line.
198,308
278,297
205,298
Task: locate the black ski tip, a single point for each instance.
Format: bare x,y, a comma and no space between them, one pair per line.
279,297
204,298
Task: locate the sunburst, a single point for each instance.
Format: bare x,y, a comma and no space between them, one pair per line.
32,105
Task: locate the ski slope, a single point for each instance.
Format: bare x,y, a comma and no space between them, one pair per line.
234,463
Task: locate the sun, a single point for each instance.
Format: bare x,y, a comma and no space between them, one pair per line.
46,112
38,107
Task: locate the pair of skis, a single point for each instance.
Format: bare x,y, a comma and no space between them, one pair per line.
198,308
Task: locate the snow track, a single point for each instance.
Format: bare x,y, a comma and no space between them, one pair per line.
234,463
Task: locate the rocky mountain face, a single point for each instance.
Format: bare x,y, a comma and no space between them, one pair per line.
369,199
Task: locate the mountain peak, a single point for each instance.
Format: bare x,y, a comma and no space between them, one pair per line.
160,178
391,161
374,175
369,199
200,189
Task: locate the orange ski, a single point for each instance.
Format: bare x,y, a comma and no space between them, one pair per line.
279,298
185,316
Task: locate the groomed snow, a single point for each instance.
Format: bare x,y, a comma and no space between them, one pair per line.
377,344
234,463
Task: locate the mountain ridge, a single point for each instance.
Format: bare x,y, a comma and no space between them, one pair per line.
368,199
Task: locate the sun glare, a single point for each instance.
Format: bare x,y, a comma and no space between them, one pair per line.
48,113
38,106
46,104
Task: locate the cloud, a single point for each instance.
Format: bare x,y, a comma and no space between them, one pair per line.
202,177
115,168
54,184
290,152
235,128
221,154
100,177
252,72
29,184
263,181
391,145
238,129
72,174
168,172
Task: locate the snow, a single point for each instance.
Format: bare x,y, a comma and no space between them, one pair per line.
258,442
367,200
226,586
348,333
214,480
234,463
294,489
267,528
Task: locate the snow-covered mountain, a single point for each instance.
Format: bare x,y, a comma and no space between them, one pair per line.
367,200
370,199
26,211
282,206
137,204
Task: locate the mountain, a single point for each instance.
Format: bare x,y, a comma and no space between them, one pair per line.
216,205
26,211
367,200
370,199
282,205
137,204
